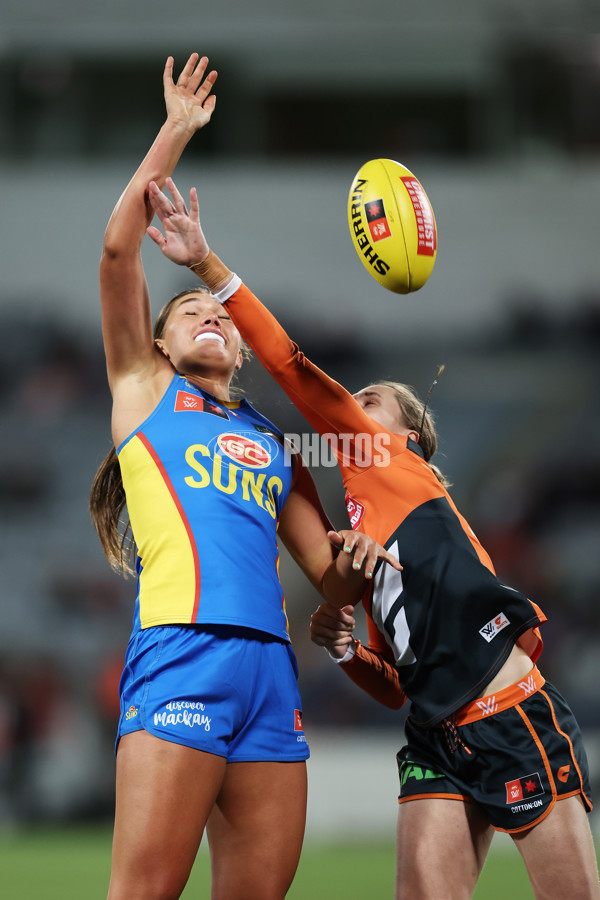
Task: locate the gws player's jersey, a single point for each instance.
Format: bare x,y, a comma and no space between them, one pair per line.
205,484
442,628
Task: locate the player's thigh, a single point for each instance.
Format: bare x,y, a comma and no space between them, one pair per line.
164,794
559,854
440,850
256,829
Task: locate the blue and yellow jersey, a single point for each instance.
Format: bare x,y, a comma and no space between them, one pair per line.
205,484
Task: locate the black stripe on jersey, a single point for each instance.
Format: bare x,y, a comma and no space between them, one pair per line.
432,612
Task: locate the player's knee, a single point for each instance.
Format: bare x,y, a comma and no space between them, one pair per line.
158,882
248,884
258,891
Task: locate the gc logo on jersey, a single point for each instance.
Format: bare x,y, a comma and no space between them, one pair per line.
244,450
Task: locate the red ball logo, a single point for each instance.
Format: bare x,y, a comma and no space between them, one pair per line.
244,450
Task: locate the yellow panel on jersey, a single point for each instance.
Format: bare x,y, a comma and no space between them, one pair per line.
205,484
169,580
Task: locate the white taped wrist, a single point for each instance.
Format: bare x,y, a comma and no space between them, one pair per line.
228,291
346,657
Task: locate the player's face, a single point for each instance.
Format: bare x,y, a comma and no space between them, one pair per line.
199,331
380,403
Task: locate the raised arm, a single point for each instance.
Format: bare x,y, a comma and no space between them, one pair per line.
328,406
126,314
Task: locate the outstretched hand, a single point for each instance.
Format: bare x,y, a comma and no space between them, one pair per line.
364,550
189,100
183,241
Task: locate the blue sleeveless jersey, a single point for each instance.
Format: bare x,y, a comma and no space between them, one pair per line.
205,484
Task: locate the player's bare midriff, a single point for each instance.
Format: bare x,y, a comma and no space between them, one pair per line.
517,666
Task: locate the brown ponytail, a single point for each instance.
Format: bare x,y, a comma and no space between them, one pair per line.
107,502
420,419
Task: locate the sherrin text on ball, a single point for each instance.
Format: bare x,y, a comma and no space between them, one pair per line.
392,225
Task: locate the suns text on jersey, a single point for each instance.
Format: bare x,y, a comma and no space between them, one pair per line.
231,478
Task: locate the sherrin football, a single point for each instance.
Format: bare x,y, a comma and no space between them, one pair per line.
392,225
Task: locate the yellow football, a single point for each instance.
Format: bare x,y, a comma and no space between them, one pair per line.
392,225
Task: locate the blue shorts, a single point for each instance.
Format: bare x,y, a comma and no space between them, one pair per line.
225,690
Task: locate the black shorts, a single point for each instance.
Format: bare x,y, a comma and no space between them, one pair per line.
514,754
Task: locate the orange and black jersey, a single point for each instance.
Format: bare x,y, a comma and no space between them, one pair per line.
441,629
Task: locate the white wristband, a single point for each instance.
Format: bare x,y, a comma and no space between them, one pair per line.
229,290
347,655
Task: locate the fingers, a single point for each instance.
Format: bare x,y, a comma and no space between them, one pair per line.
161,205
200,85
361,546
189,99
332,627
178,201
346,539
335,538
329,617
353,542
391,559
366,551
194,205
375,551
168,73
209,104
188,70
192,77
156,235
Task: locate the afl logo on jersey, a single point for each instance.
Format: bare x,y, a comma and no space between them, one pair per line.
244,450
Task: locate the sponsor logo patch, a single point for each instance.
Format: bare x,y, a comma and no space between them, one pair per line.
418,773
244,450
190,713
524,788
131,712
426,230
355,510
298,720
186,402
494,627
377,220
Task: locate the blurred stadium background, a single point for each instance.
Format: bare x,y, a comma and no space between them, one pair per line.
496,107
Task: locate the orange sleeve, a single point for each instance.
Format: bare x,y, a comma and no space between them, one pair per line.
375,674
372,669
328,406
